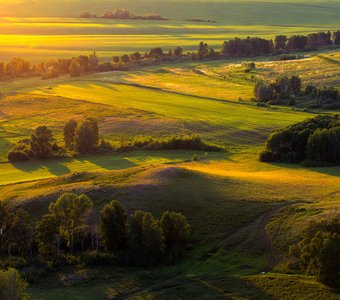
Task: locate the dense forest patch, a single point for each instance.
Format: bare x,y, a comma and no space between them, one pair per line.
314,141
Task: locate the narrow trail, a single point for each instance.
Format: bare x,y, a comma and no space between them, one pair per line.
260,227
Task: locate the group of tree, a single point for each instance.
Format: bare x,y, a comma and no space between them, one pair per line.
19,67
123,14
254,46
82,138
71,227
289,90
315,142
247,47
318,253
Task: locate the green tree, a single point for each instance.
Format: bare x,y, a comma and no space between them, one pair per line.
322,257
12,286
5,219
153,237
70,211
113,219
176,232
319,251
203,50
75,69
20,234
47,236
125,59
70,130
145,238
264,92
87,136
280,42
178,51
295,83
42,143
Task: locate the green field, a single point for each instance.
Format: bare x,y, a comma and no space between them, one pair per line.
245,214
62,34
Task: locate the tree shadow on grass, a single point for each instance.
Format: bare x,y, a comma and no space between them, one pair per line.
108,162
57,168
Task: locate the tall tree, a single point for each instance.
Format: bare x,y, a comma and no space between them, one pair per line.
176,232
42,143
70,129
47,236
70,211
75,68
280,42
20,234
113,219
87,136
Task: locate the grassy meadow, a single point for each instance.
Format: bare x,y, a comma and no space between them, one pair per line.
244,213
63,34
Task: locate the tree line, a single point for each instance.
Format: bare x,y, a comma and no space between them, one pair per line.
122,14
288,90
72,232
316,142
247,47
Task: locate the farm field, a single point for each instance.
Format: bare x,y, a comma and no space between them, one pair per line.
39,37
231,224
244,213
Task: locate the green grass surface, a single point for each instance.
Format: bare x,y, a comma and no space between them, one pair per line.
65,35
27,171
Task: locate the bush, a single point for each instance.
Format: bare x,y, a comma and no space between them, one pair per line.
17,156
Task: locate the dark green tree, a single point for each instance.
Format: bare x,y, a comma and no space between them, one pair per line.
176,232
178,51
42,143
87,136
280,42
70,130
113,222
20,235
70,211
47,236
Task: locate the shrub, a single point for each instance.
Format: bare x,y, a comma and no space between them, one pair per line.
17,156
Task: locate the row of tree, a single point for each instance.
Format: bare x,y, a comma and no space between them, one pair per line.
122,14
315,141
71,227
82,138
19,67
248,47
318,253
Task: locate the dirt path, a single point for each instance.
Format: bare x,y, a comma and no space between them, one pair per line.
238,238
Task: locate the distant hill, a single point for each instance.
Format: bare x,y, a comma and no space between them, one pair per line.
227,11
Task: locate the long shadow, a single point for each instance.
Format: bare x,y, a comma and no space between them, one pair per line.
54,167
57,168
109,162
